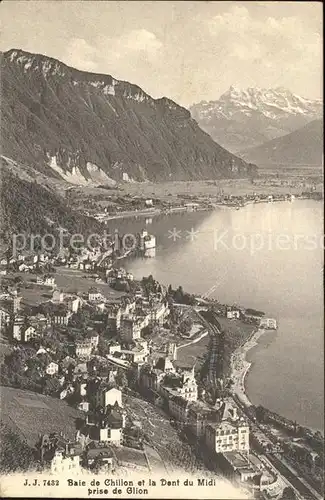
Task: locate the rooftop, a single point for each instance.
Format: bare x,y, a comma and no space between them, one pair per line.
236,459
164,364
180,401
202,408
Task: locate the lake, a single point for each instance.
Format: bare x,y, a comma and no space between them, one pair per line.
265,256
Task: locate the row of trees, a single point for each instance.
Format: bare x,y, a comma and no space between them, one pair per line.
180,297
35,208
150,285
179,321
24,370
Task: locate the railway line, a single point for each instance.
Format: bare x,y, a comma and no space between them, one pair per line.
305,490
215,347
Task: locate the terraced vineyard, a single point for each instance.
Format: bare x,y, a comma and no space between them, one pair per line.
30,414
161,435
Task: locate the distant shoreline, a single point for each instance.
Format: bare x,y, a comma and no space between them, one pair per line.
158,211
153,213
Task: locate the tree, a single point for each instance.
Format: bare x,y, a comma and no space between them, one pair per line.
81,318
51,386
146,331
260,414
185,326
179,295
102,347
318,435
15,455
288,494
63,350
132,377
51,342
121,379
17,359
14,362
149,284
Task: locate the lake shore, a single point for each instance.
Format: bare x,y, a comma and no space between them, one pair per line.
267,383
154,212
240,366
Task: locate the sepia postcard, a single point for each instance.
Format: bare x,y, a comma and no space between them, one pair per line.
161,250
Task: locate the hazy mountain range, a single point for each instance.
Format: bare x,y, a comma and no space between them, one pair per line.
86,127
242,119
302,147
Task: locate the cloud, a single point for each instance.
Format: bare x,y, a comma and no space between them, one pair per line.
80,55
141,41
201,58
275,48
135,47
236,19
121,55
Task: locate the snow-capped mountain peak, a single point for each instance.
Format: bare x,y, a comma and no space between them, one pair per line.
268,100
243,118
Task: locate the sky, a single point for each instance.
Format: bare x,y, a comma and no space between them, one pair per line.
187,51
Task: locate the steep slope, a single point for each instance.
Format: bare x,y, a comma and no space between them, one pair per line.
31,208
15,453
69,123
301,147
240,119
29,415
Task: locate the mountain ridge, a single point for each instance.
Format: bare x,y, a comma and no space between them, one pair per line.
79,126
240,119
301,147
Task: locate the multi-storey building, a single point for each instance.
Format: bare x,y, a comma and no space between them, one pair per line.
114,318
131,326
188,389
159,312
52,368
61,316
178,408
95,295
83,349
231,433
4,319
63,463
199,415
150,378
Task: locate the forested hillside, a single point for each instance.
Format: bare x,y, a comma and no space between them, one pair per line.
30,208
